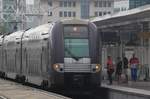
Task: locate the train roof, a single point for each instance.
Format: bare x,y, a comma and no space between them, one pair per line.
14,36
38,30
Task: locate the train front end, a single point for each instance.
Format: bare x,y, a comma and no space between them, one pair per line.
77,54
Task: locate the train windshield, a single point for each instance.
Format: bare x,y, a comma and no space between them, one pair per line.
76,42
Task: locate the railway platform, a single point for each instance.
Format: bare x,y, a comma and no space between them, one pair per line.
144,85
130,90
12,90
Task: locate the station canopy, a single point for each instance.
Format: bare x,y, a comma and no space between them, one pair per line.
140,14
127,26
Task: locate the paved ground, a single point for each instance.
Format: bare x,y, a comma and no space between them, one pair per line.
123,92
138,84
11,90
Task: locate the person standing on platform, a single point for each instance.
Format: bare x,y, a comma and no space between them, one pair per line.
110,69
134,62
125,65
119,69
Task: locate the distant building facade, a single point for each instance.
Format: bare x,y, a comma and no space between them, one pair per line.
137,3
21,14
121,5
0,9
24,14
7,8
79,9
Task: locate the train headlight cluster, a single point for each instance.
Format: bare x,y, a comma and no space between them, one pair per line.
58,67
97,68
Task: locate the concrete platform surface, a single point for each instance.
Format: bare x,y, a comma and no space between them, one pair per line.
12,90
145,85
130,88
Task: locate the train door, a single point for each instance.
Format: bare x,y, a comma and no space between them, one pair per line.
4,54
24,61
5,60
44,60
17,60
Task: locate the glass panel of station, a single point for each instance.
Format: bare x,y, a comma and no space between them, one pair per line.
115,44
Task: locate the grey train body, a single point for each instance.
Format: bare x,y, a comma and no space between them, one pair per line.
40,55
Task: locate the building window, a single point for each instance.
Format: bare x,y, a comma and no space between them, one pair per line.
69,3
74,4
123,9
61,3
60,14
104,4
65,14
100,3
96,3
104,13
74,14
50,13
69,14
109,4
85,9
109,12
65,3
50,3
100,13
96,14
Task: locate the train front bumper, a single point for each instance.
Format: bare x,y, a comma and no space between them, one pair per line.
78,74
77,68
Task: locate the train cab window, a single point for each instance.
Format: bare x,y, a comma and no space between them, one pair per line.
76,41
76,48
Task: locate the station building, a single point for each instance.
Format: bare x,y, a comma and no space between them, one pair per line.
126,33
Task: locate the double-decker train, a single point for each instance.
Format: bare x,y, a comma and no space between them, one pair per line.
62,53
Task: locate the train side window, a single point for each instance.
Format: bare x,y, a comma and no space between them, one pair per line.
18,42
45,39
44,33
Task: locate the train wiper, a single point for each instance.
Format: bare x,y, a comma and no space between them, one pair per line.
71,54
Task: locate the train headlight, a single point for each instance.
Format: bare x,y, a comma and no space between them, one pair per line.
56,67
98,67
